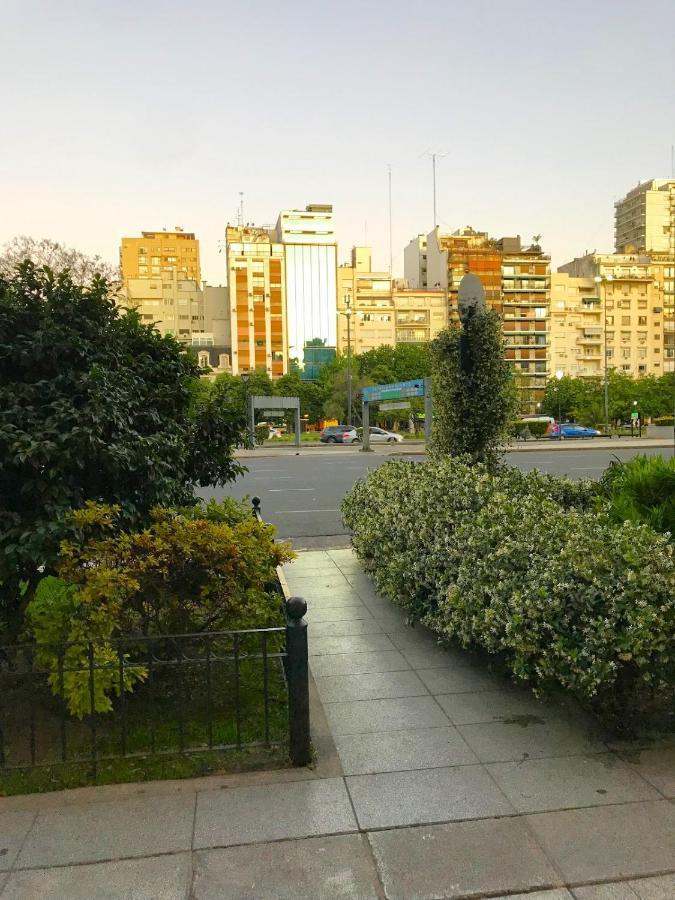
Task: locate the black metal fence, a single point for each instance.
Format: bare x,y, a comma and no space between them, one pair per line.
135,696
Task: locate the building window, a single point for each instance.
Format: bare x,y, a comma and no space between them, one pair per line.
642,320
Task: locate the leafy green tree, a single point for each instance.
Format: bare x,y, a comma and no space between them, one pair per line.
93,406
312,396
472,388
401,363
55,256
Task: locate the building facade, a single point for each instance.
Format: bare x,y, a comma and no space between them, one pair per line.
628,326
383,311
517,286
159,253
197,317
644,220
257,300
415,262
310,259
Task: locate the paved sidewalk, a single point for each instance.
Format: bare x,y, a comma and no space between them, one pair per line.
447,782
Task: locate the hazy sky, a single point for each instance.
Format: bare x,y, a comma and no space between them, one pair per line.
121,116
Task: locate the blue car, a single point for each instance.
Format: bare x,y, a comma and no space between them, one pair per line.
555,430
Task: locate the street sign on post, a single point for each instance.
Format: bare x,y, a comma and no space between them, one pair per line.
403,404
395,391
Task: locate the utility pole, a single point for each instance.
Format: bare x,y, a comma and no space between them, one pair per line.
391,243
434,157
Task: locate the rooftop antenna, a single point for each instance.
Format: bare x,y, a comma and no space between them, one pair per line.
434,157
391,251
240,216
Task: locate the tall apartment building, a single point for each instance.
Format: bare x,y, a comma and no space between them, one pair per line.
159,253
516,280
310,254
382,311
451,256
257,300
645,223
526,291
622,315
415,262
644,220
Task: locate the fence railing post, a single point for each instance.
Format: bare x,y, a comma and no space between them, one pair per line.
297,675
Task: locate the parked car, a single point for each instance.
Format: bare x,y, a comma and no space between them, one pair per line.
555,430
380,436
339,434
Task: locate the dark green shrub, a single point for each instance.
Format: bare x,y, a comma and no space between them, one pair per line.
535,429
642,490
473,389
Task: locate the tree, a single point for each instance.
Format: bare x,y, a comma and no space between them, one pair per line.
311,395
472,389
404,362
54,256
93,406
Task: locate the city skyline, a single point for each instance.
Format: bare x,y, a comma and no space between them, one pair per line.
131,118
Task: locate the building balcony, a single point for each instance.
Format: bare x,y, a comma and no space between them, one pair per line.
525,289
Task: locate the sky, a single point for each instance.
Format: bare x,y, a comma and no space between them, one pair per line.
122,116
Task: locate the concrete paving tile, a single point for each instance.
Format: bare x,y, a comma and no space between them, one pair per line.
346,613
364,716
460,859
491,706
353,643
358,663
617,890
607,843
14,826
567,782
394,619
94,832
154,878
327,868
518,740
345,627
404,637
439,657
661,887
331,600
420,748
374,686
343,553
391,799
657,766
269,812
458,678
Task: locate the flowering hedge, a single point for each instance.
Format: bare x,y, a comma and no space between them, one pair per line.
525,566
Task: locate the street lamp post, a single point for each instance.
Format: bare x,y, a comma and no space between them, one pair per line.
348,314
559,375
602,294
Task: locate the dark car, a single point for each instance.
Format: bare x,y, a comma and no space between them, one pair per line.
561,432
339,434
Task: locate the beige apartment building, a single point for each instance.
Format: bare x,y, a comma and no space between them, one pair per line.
612,302
415,262
383,311
159,253
645,223
257,300
516,280
197,317
644,220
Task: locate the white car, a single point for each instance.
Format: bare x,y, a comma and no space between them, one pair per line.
380,436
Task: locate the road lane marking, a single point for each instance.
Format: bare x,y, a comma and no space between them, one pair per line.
285,511
285,490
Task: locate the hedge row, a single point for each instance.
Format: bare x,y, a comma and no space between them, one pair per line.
525,566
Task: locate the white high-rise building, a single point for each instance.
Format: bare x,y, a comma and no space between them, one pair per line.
310,252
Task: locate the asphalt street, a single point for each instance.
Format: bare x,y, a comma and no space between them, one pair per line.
301,494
